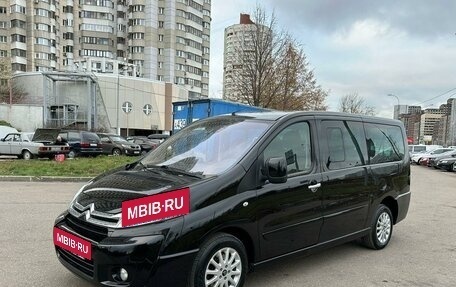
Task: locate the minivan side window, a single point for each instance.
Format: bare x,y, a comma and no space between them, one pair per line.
345,142
294,144
385,143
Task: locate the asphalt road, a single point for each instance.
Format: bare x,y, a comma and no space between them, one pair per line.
422,251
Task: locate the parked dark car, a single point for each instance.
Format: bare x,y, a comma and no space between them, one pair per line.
146,144
232,192
448,163
82,143
432,160
117,145
159,137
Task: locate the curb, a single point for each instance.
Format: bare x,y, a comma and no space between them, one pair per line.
44,179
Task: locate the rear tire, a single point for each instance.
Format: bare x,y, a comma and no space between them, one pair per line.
27,155
71,154
381,229
221,261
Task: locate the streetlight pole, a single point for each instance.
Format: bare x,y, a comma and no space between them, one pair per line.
117,106
396,116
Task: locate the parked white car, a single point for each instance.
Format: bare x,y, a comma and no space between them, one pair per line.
42,145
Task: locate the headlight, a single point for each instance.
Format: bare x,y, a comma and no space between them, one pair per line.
125,146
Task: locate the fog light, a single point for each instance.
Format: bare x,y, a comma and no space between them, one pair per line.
123,274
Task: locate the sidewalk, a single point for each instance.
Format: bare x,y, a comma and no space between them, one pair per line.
44,178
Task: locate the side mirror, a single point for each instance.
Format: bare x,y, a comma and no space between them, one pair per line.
275,170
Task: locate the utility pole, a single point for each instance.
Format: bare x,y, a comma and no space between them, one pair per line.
396,116
117,106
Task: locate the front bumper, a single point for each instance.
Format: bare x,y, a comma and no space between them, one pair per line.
139,255
130,151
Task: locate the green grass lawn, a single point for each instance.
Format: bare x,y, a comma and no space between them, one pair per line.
78,167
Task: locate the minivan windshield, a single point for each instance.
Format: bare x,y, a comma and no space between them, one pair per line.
209,147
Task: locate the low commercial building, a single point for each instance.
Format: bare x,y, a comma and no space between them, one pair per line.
101,102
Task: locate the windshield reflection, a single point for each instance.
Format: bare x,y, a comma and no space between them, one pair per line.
208,147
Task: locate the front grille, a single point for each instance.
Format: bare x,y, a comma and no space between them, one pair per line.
85,266
99,218
88,230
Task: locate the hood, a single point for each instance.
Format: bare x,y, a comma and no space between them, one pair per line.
45,135
107,193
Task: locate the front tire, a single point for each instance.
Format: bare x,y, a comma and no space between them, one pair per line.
381,229
221,261
116,152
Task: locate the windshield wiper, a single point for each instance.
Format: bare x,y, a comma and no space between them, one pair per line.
178,171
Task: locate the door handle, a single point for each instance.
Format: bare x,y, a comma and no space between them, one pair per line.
314,187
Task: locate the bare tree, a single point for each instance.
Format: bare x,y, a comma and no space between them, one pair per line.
10,91
354,104
269,69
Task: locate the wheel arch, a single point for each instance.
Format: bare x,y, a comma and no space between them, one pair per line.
27,150
244,237
391,203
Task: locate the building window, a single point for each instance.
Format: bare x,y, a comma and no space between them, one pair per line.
161,10
3,25
68,22
17,9
3,53
2,10
137,22
160,51
42,12
179,81
17,24
160,37
137,36
161,24
160,78
18,38
18,53
160,65
3,39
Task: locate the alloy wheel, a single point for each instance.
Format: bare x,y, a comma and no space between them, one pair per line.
383,228
224,269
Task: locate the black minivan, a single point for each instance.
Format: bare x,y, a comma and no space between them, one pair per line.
232,192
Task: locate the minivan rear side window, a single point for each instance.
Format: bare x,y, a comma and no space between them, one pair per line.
385,143
294,144
346,146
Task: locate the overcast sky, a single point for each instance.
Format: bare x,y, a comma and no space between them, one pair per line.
375,48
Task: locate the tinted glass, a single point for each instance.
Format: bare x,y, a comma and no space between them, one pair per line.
293,143
345,142
385,143
91,137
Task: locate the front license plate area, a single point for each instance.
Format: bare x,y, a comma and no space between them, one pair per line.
72,243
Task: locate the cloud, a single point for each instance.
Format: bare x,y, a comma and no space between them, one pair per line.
375,48
419,18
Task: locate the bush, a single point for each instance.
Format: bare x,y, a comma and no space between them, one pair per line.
5,123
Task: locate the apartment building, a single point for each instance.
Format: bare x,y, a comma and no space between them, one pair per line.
237,41
164,40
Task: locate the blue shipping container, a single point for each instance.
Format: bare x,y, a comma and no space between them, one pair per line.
185,113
